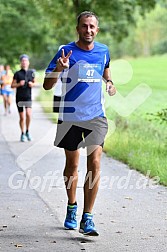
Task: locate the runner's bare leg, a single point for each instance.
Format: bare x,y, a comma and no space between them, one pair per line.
92,181
71,174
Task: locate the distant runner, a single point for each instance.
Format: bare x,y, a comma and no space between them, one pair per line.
23,81
7,91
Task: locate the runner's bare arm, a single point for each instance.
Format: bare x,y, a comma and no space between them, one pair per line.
16,85
110,88
32,83
51,78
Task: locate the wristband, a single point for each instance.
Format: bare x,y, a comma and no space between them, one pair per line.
110,81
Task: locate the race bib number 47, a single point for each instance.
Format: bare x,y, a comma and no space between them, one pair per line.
89,73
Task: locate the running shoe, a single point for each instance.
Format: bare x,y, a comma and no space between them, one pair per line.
29,138
70,221
23,137
87,226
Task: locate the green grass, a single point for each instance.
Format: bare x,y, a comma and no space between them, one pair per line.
141,148
137,141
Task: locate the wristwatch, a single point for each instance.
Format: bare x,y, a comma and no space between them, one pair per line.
110,81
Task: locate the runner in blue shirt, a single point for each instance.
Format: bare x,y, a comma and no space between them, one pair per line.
82,121
85,77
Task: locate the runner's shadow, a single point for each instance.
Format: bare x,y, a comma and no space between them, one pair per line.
85,239
81,239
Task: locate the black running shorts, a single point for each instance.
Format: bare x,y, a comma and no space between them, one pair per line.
74,135
22,102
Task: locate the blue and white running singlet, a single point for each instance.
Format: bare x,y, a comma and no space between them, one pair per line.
82,98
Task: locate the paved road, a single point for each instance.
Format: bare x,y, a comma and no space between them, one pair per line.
130,211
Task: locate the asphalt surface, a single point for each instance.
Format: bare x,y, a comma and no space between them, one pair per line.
130,211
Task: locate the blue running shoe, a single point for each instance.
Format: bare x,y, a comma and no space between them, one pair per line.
23,138
87,226
70,221
29,138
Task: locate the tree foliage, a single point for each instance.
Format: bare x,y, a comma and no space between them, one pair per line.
22,29
38,27
148,36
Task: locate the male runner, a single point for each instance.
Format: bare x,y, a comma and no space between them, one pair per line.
82,121
23,81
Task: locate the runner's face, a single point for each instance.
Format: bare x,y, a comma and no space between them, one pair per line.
7,68
25,63
87,29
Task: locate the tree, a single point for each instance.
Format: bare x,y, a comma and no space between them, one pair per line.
38,27
20,29
115,15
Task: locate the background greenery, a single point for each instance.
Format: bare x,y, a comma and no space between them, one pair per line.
38,27
133,30
139,140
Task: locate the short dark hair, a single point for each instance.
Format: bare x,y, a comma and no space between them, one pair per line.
87,14
23,56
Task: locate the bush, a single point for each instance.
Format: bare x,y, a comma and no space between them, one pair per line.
160,48
160,116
